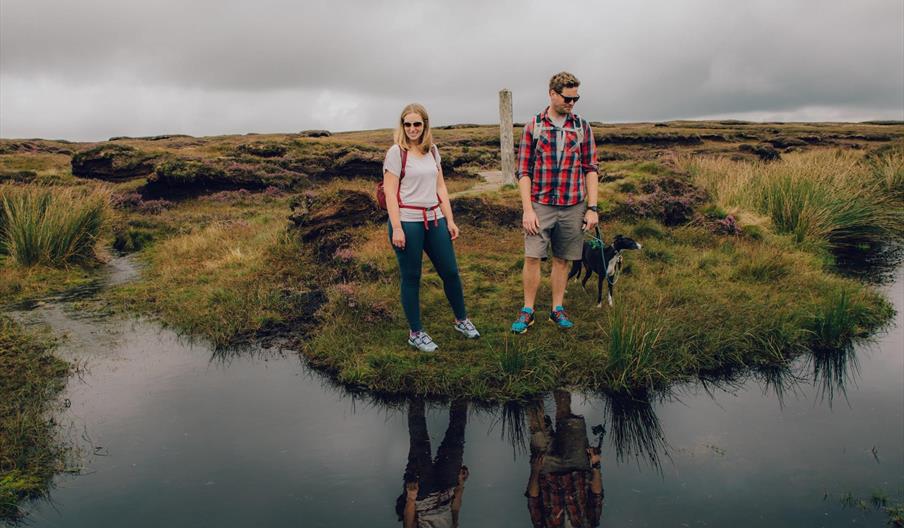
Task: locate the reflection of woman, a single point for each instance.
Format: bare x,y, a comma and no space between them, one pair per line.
420,221
565,486
434,487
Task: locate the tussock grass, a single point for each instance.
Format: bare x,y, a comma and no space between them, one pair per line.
51,225
825,200
30,379
633,351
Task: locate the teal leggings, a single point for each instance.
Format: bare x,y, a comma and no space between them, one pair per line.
437,243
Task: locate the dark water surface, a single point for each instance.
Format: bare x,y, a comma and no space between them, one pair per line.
175,435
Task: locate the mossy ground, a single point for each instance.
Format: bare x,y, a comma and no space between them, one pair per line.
691,302
30,378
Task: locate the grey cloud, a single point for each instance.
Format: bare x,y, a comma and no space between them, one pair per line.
638,61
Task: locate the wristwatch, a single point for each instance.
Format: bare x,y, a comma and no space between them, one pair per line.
593,208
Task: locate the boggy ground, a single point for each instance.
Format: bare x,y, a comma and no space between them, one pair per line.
274,238
717,285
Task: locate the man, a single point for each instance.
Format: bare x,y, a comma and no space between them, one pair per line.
565,486
557,178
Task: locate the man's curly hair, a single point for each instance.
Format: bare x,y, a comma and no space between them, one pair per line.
563,80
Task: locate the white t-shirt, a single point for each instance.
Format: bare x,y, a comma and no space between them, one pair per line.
418,187
560,136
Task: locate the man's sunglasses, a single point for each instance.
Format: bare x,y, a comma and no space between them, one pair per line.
417,124
569,100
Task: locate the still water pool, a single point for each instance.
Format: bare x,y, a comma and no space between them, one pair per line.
175,435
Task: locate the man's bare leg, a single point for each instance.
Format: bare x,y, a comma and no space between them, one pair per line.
558,278
531,280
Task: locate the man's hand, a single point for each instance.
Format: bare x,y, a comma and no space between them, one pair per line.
591,219
411,489
537,461
530,222
594,454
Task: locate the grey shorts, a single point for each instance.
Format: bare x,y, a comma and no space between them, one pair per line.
559,226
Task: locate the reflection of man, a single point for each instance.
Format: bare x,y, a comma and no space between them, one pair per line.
434,487
565,487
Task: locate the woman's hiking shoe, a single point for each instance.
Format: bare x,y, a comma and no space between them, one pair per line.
421,341
525,319
559,317
467,328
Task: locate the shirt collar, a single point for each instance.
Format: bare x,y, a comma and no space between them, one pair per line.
569,119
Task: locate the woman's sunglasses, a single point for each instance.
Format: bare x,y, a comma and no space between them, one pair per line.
416,124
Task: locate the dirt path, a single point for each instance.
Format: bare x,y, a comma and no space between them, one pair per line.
493,181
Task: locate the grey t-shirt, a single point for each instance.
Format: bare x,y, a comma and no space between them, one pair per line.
560,136
418,187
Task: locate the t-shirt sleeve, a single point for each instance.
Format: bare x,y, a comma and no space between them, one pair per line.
439,159
393,161
522,169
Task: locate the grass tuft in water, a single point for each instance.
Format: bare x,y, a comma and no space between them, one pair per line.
30,379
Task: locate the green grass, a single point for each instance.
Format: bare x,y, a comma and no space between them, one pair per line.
698,305
30,379
692,302
832,200
50,225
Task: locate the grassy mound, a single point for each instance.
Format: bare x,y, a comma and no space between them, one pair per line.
719,285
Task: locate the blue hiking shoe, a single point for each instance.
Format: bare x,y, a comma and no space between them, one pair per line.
558,316
525,319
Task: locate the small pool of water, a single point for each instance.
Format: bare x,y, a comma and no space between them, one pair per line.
174,434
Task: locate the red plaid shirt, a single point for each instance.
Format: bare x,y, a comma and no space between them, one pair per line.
565,494
563,183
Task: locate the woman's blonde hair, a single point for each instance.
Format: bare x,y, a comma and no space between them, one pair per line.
426,140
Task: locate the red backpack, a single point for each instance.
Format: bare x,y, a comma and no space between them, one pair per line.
381,192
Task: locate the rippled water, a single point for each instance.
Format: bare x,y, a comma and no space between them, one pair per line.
175,435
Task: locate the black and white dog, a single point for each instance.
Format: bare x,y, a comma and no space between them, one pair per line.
592,260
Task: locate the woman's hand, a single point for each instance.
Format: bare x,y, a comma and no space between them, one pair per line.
463,474
453,230
411,490
398,238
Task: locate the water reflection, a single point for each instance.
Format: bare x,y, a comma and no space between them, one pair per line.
634,428
433,487
833,370
565,486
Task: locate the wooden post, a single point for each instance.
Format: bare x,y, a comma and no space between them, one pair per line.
506,141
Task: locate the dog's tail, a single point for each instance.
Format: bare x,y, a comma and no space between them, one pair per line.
575,269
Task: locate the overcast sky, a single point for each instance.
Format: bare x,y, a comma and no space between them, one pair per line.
92,69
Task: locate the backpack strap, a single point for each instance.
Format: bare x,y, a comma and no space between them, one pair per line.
404,155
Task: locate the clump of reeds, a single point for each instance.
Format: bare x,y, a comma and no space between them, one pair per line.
53,226
829,199
633,358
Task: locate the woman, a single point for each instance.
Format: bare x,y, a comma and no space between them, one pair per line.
420,220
